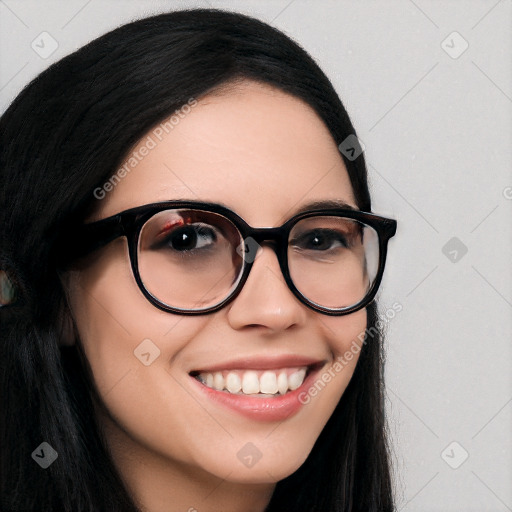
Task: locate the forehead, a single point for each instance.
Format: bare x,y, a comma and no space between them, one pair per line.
259,151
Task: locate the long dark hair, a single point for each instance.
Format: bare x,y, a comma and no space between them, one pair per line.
64,135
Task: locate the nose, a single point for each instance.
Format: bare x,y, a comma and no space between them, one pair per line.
265,299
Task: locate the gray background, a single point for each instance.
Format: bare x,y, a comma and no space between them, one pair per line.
437,124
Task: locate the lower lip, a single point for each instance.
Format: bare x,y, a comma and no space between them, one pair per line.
277,408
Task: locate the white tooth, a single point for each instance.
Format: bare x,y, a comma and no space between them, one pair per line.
296,379
282,383
218,381
209,380
250,383
268,383
233,383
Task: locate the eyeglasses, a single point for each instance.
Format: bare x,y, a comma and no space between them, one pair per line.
193,258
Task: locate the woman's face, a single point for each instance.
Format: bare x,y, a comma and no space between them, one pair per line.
264,154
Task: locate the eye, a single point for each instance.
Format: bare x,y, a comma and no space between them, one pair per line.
184,239
320,240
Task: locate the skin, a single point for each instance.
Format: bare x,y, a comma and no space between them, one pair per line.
264,154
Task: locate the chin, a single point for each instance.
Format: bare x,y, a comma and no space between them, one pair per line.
268,469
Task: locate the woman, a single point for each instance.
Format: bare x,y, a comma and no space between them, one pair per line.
192,325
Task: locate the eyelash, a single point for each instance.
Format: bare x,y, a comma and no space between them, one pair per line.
199,230
333,234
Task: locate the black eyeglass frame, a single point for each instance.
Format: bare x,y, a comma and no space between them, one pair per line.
92,236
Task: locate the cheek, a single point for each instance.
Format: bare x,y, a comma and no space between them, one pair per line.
346,334
128,343
345,337
346,348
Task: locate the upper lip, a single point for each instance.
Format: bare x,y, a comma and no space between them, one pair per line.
262,363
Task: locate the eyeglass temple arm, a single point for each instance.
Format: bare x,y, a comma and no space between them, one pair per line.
89,237
389,227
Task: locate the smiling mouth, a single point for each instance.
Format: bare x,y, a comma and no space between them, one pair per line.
256,383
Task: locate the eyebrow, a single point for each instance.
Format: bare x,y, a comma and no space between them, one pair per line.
325,204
